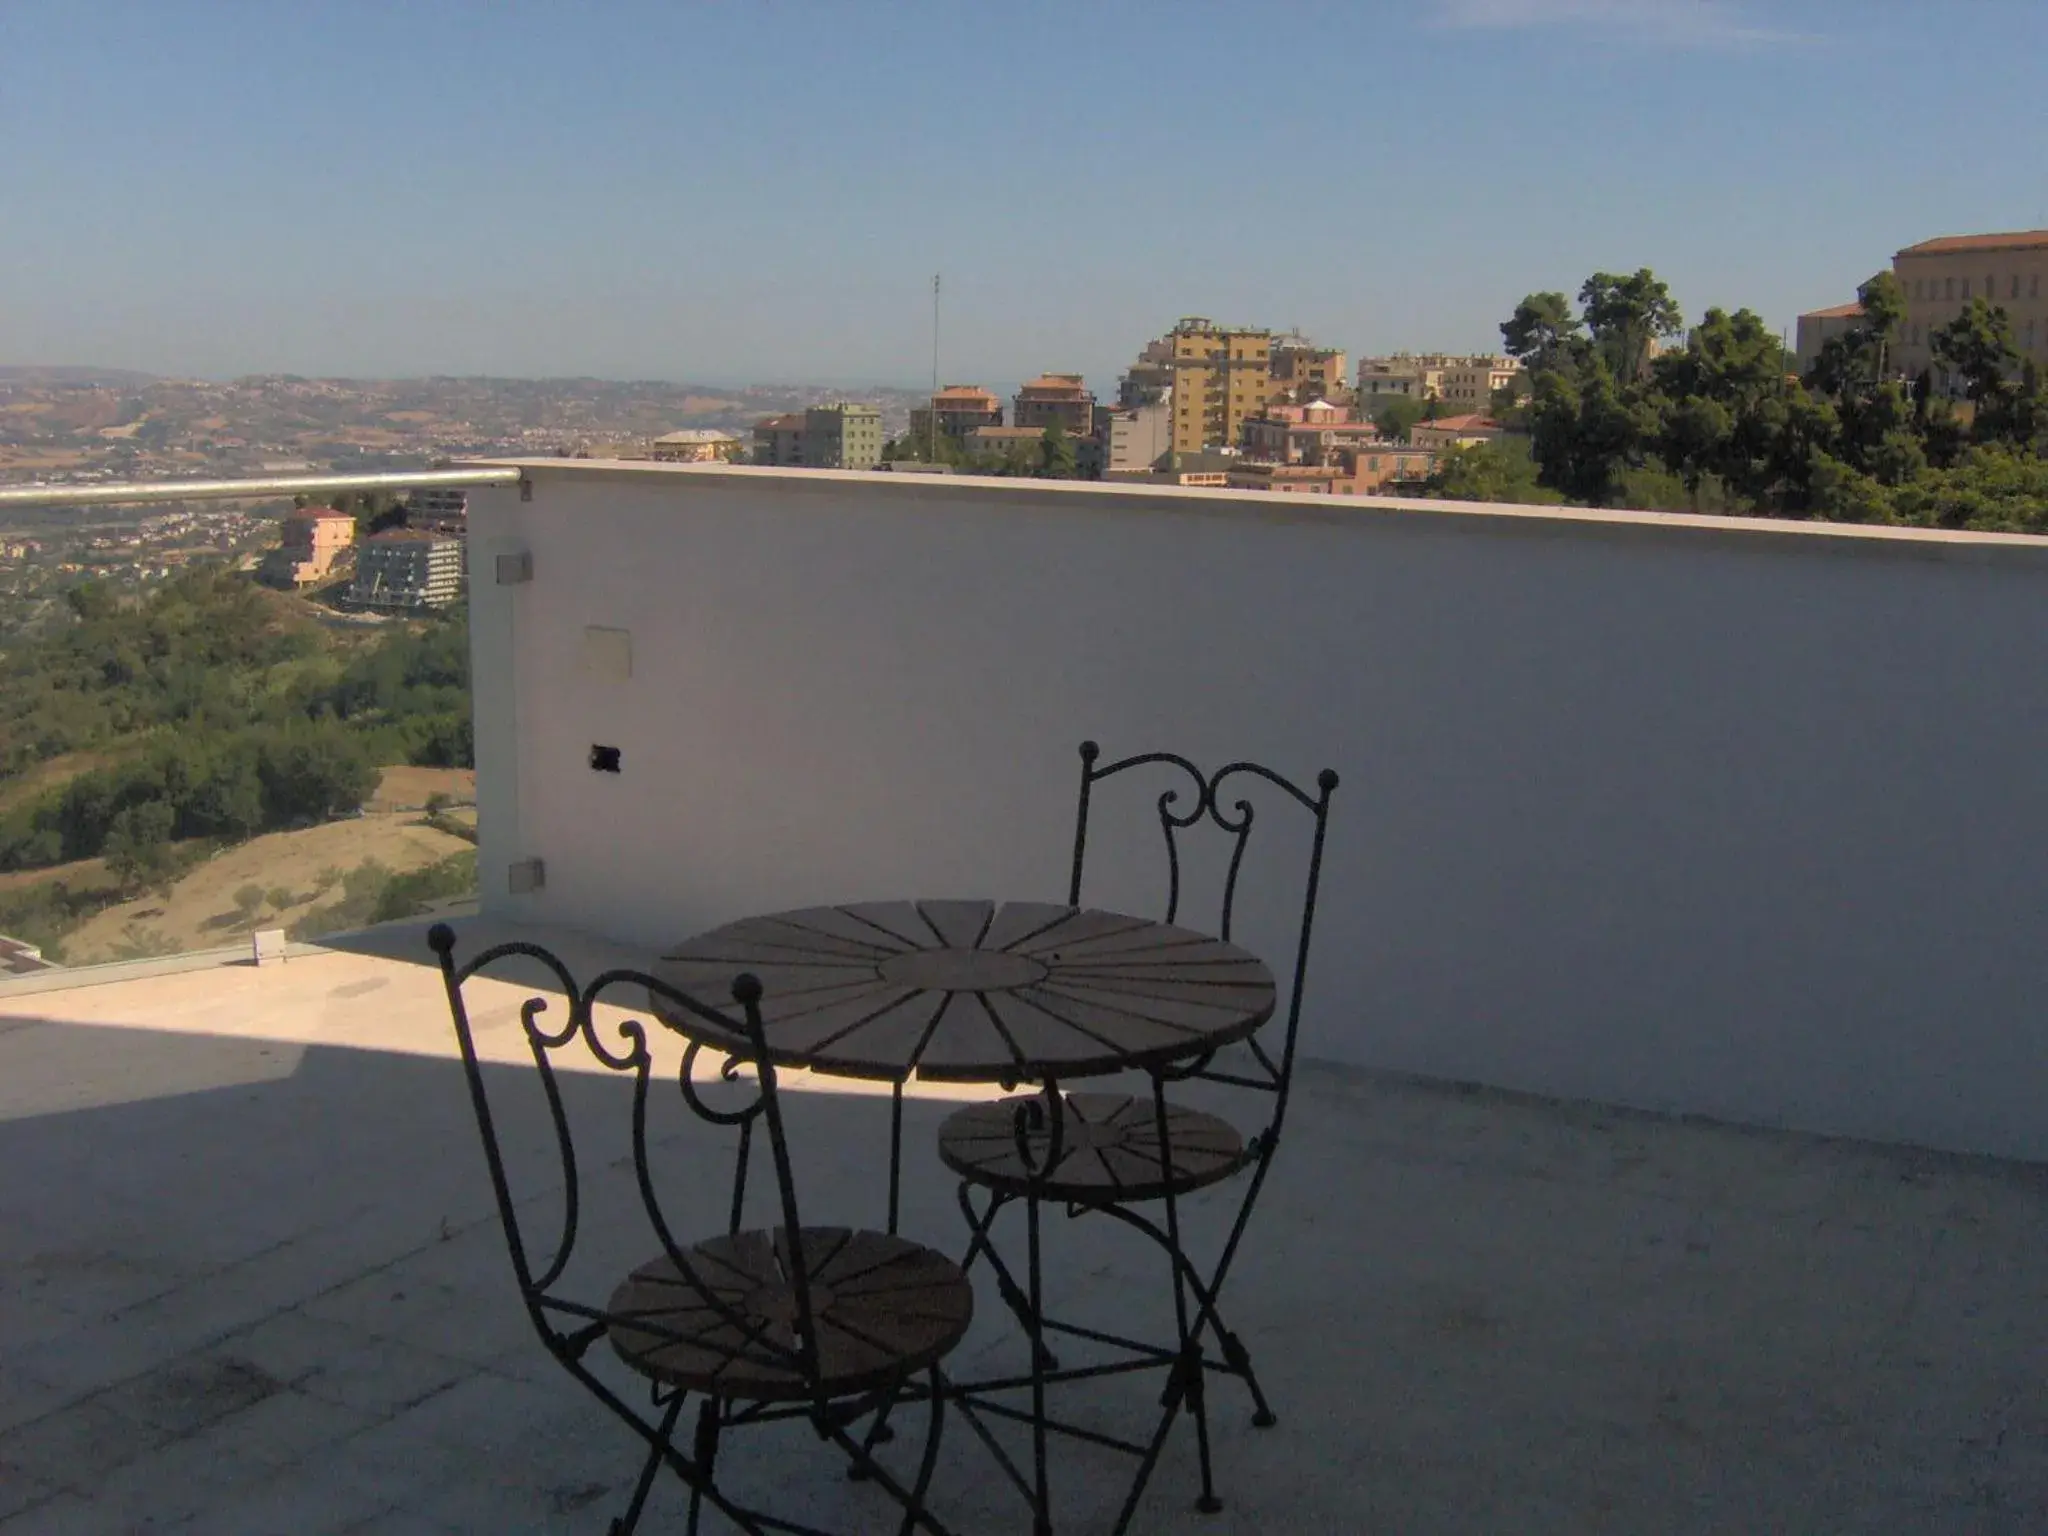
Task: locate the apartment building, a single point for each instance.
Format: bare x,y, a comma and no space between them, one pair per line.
779,440
438,509
1135,438
1817,327
1222,375
1062,398
956,411
1304,434
1472,381
1351,471
838,436
1938,278
1468,380
311,541
409,568
1001,440
1460,431
1150,379
843,436
696,445
1303,371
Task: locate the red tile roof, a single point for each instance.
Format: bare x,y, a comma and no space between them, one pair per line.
1952,245
1838,312
789,423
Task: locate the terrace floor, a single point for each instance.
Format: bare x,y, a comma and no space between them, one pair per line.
250,1282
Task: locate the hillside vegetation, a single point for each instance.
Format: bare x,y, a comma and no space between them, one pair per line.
151,733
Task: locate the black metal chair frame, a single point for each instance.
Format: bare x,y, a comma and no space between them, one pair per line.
568,1327
1040,1123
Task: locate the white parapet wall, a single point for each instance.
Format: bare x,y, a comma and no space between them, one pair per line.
1742,819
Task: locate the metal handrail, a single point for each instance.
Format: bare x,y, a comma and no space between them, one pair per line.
234,490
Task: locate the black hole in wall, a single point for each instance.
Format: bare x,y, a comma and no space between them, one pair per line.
605,759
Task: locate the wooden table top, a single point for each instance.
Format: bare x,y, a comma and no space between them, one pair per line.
978,991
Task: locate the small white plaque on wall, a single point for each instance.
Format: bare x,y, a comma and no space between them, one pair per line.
608,653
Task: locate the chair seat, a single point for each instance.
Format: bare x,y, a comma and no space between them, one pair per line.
883,1307
1109,1149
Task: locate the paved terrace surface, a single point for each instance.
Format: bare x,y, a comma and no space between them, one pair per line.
250,1282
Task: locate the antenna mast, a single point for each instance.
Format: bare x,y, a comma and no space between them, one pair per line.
932,448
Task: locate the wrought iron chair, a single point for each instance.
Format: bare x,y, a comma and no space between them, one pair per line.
1041,1149
824,1324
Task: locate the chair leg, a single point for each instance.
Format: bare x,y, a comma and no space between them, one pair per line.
1041,1515
656,1454
913,1514
979,1246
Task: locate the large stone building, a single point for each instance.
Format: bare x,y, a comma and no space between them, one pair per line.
1939,277
1817,327
1055,397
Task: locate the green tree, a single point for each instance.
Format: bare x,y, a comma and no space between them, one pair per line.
1992,489
1395,416
1585,430
1056,458
1626,315
249,901
1500,471
1542,331
1976,347
137,847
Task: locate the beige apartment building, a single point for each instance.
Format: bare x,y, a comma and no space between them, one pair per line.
1463,380
1456,431
1222,375
958,409
311,542
1304,434
1055,397
1939,277
1136,438
1305,372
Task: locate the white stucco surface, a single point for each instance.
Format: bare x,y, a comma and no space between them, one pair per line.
1737,820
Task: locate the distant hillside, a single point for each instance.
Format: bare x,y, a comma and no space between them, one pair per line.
34,373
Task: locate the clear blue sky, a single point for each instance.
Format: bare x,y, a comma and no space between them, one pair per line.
738,190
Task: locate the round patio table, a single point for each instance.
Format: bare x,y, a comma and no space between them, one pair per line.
978,991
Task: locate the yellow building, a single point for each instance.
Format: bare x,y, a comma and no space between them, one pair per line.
1939,277
1306,372
1221,376
1469,381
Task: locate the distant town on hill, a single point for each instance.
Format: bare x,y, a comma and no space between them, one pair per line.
79,424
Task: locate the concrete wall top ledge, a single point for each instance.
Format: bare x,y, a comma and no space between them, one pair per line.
1359,512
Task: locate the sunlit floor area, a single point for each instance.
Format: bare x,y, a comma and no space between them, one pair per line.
251,1281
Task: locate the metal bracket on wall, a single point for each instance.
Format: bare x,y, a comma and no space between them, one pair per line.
516,568
525,488
526,876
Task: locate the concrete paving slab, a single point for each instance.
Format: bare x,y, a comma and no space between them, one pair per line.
252,1280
